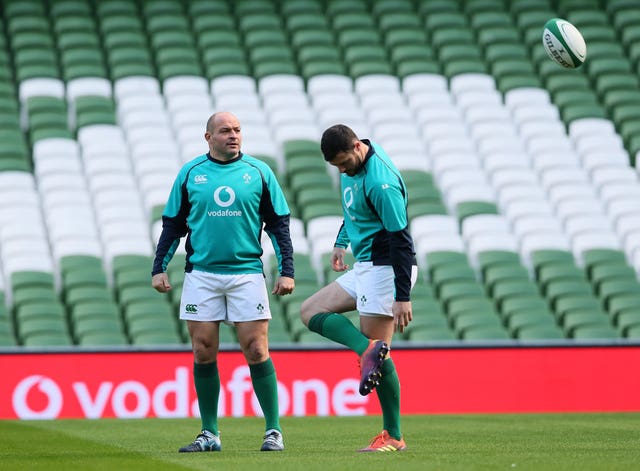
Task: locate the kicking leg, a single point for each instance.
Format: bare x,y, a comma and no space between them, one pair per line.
320,313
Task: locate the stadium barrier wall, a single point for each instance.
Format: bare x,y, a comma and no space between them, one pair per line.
323,382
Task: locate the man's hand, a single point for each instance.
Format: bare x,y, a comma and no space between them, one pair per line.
160,282
284,285
337,259
402,314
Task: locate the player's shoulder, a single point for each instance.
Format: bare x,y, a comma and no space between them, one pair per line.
380,165
199,160
192,164
381,156
257,163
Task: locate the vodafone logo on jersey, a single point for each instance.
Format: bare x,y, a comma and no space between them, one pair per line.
224,196
347,197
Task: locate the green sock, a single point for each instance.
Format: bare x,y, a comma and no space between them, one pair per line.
389,396
207,383
339,329
265,385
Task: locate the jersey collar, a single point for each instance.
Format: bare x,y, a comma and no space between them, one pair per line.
370,152
225,162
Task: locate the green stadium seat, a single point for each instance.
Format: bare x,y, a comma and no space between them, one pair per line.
157,338
144,325
488,259
123,47
72,262
116,8
470,208
102,339
33,332
27,24
470,304
444,274
622,303
98,309
553,273
132,276
461,289
32,40
84,277
593,257
7,339
543,257
47,339
610,271
309,38
33,294
575,321
487,332
528,303
161,7
148,308
30,279
305,20
130,295
626,320
508,289
124,262
595,332
442,334
611,289
495,274
544,332
13,10
82,294
315,68
559,289
92,326
524,319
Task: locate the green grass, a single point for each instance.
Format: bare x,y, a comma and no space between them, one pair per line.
436,442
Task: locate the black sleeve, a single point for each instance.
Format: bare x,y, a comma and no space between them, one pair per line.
403,258
173,228
278,226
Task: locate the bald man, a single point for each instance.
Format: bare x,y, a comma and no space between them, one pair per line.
221,201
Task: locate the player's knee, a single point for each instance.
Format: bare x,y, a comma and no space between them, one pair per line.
203,351
255,349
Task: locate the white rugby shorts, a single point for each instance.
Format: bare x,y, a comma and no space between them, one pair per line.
372,287
231,298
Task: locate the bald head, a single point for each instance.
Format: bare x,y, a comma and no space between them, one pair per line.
223,135
217,117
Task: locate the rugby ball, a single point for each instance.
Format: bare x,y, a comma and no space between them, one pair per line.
564,43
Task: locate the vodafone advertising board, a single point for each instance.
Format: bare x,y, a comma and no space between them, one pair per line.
321,383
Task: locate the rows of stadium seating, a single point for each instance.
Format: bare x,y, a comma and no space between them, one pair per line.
521,175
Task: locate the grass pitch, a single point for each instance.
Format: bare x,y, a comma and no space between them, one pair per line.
435,442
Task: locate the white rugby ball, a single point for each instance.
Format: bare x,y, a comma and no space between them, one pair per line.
564,43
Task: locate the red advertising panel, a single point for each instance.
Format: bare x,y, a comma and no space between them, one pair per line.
159,384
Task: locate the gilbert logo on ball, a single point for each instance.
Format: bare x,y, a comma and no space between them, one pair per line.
564,43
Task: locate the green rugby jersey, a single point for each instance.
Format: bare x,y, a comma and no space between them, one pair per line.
374,204
221,207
